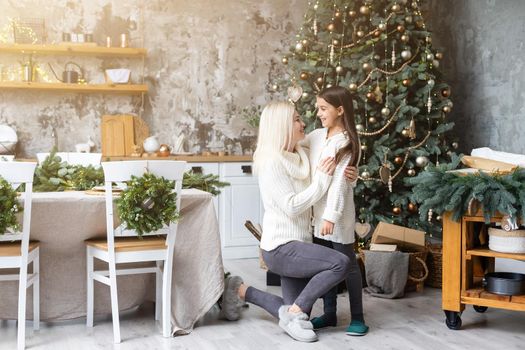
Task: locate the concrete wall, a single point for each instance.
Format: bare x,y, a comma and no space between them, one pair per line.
207,60
483,41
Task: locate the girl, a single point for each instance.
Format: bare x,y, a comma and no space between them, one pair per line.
334,214
307,270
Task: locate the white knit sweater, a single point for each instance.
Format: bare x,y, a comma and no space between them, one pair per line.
288,196
337,205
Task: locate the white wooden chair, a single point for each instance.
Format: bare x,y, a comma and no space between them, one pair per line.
123,246
17,252
74,158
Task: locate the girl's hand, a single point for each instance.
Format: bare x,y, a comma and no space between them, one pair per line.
327,228
351,173
327,165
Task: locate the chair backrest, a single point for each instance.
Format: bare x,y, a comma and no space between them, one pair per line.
122,171
17,173
74,158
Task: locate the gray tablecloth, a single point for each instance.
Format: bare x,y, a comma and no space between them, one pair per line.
61,221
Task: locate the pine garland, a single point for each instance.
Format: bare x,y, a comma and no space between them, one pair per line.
148,203
443,191
205,182
9,207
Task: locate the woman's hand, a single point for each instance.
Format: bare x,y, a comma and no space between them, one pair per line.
351,173
327,165
327,228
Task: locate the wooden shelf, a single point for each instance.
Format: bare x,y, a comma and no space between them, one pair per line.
492,254
80,88
189,159
478,296
72,49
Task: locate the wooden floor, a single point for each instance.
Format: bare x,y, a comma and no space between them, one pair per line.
415,322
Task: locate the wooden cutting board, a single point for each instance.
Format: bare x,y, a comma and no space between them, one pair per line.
120,133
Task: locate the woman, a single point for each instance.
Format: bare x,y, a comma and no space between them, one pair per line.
307,270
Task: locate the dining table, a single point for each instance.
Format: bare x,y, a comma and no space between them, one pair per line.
62,221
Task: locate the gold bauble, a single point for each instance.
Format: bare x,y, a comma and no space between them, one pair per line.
359,127
337,14
335,42
364,10
455,145
352,87
412,208
298,47
427,39
406,55
319,80
372,120
439,55
421,161
396,7
445,92
430,56
164,150
275,87
370,96
377,57
367,66
400,28
364,147
328,86
330,27
414,4
405,132
365,175
398,160
405,38
396,210
305,94
446,109
303,75
435,63
406,82
385,111
421,24
360,33
408,19
352,13
339,69
377,33
411,172
285,60
382,26
304,42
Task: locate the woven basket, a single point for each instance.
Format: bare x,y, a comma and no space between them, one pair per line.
507,241
417,269
435,265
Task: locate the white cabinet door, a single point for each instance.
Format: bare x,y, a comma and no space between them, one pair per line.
206,168
239,202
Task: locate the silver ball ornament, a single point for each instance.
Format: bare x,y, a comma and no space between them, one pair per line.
339,69
352,86
299,47
365,175
406,54
382,26
359,127
430,56
431,82
372,120
421,161
385,111
411,172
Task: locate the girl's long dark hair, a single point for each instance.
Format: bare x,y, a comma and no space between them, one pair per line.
338,96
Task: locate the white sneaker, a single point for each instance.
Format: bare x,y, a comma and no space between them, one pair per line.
296,325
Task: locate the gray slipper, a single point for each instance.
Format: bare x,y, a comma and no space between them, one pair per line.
231,302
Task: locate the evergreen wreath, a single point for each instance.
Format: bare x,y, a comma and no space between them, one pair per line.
9,207
148,203
442,191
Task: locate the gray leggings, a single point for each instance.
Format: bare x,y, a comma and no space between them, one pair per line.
353,281
307,272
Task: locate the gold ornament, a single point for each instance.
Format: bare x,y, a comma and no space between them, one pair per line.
396,210
420,24
298,47
364,147
408,19
352,13
372,120
364,10
328,86
430,56
379,94
455,145
435,63
164,150
377,33
352,87
359,127
382,26
335,42
404,132
303,75
304,42
305,94
445,92
446,109
439,55
412,208
370,96
339,69
367,66
385,173
406,55
337,14
365,175
319,80
275,87
398,160
400,28
411,172
330,27
406,82
421,161
360,33
385,111
377,57
427,39
285,60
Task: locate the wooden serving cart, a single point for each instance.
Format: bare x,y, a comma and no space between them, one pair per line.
466,259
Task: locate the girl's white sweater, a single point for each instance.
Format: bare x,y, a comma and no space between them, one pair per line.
337,205
288,196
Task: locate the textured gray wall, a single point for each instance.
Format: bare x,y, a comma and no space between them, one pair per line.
207,59
484,63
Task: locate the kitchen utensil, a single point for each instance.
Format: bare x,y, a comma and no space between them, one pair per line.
504,283
69,76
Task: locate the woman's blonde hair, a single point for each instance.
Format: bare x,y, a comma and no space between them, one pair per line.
275,131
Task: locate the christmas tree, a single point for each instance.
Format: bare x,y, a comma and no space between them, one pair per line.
381,50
